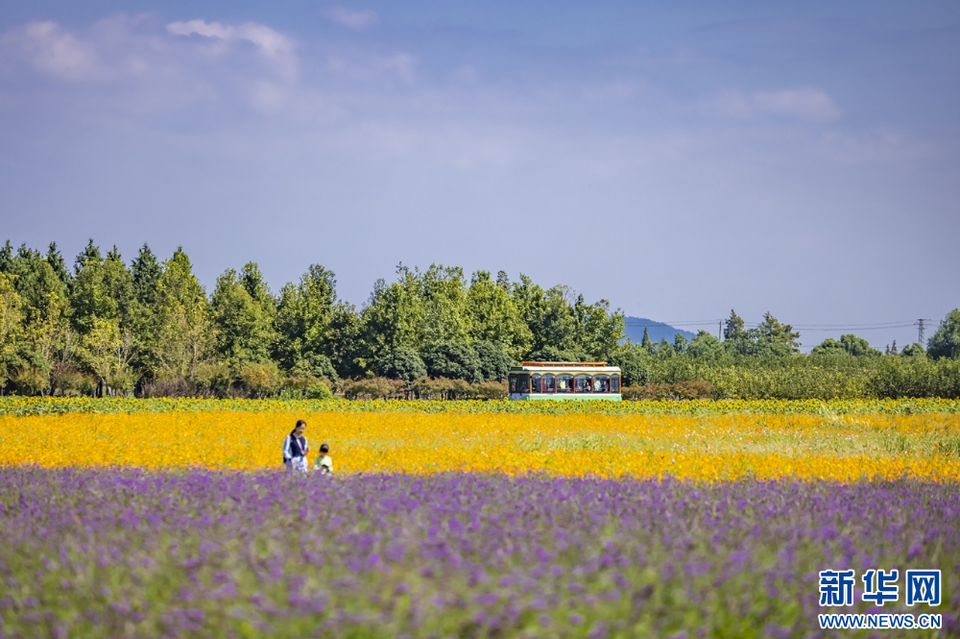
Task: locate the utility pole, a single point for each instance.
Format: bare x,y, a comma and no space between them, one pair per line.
920,327
720,331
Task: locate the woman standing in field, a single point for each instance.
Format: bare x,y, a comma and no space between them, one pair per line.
295,449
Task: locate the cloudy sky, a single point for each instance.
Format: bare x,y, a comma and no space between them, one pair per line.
677,159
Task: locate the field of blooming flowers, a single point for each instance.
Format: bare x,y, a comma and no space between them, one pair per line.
201,553
705,441
468,519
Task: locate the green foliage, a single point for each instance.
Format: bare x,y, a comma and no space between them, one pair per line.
494,317
454,359
29,381
213,378
68,380
318,391
769,338
403,364
913,350
314,365
634,364
848,345
688,390
495,361
261,379
19,407
553,354
946,341
774,338
704,346
373,388
305,314
916,377
185,335
243,315
150,327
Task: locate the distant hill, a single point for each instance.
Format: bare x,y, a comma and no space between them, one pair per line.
656,330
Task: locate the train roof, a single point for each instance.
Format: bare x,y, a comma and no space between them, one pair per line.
553,367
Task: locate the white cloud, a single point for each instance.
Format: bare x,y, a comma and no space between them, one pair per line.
351,18
51,50
270,42
399,64
803,103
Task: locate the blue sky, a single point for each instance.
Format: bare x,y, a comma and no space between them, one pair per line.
677,159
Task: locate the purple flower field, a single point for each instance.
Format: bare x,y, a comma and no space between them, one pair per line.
111,553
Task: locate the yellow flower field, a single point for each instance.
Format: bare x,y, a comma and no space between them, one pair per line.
700,447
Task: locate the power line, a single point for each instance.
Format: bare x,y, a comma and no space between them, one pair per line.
807,327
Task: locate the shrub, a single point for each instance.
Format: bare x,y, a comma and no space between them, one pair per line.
262,379
66,379
490,390
440,388
691,389
28,381
214,378
122,381
373,388
170,386
319,391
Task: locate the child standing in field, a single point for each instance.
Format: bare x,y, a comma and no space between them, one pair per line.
295,449
324,464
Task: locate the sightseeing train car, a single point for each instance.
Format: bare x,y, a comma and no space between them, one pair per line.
565,380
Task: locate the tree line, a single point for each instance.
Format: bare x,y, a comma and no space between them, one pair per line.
103,326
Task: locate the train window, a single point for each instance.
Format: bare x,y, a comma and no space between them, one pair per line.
601,383
519,383
549,383
564,383
535,381
583,384
614,383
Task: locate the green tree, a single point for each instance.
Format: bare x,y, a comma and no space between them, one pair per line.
57,263
599,332
44,304
346,337
774,338
704,346
848,345
946,341
680,343
453,359
913,350
185,335
664,350
393,317
10,322
305,315
737,340
494,317
242,311
645,343
402,363
90,298
495,360
444,304
105,349
634,364
145,271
